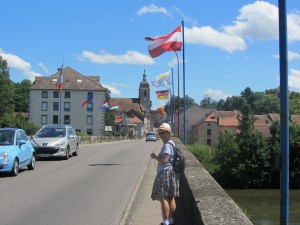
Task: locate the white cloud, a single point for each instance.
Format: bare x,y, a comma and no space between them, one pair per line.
293,26
294,79
174,63
255,21
17,63
291,56
121,85
216,94
152,9
113,90
211,37
186,18
43,67
131,57
260,20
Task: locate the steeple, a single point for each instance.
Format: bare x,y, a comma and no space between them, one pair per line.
144,93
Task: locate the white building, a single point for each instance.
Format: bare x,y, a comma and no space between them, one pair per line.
47,105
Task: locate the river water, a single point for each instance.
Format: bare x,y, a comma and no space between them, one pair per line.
262,206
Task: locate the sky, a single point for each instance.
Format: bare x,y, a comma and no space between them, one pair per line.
229,45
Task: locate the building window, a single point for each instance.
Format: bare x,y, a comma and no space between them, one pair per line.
145,93
208,141
55,119
44,106
55,94
55,106
89,107
66,119
208,132
89,131
67,94
89,120
67,106
44,119
44,94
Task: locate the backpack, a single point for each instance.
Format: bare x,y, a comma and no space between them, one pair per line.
178,163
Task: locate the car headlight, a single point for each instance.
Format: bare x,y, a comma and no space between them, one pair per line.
60,144
4,154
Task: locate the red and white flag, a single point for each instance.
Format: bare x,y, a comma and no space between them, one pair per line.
59,83
169,42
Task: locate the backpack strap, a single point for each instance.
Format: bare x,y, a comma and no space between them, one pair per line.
173,148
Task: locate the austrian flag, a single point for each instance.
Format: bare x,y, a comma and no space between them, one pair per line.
162,44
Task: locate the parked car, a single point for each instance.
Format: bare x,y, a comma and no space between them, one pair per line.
151,136
55,141
16,151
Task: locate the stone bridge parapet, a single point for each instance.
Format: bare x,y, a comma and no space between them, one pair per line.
203,201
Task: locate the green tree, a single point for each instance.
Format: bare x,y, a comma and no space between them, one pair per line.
294,158
19,121
208,102
21,96
6,89
253,168
266,103
226,157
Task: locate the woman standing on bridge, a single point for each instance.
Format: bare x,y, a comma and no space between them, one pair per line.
166,183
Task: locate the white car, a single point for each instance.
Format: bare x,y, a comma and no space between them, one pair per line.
55,141
151,136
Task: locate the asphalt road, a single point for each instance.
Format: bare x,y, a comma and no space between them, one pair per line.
92,188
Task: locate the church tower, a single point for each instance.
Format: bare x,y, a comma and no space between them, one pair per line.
144,94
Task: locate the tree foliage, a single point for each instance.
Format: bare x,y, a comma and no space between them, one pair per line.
21,96
259,102
226,158
6,89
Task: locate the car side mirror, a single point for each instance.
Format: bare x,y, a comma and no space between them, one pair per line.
21,142
72,136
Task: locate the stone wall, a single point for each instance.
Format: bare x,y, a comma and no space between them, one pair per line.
203,201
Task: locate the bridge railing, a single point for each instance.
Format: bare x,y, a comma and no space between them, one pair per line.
202,200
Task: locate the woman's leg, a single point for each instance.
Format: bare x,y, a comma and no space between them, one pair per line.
172,206
165,209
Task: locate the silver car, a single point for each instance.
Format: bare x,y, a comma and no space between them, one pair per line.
55,141
151,136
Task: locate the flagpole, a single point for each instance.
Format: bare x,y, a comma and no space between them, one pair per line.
60,92
183,76
173,106
178,107
284,115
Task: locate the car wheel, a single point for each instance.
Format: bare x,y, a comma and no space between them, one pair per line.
15,168
31,165
76,151
67,154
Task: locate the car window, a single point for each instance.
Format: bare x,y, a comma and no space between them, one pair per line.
71,132
51,132
19,137
7,137
24,136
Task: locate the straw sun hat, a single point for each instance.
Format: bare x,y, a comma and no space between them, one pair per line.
165,127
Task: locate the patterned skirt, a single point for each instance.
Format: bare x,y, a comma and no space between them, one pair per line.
166,185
